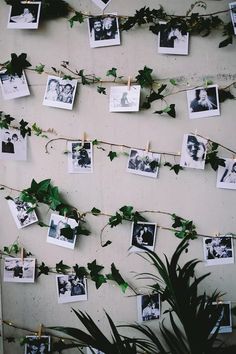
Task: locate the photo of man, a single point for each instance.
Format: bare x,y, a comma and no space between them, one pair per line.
103,31
143,235
193,153
203,102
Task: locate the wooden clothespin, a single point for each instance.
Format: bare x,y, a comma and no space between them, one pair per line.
147,148
22,254
129,82
83,139
40,330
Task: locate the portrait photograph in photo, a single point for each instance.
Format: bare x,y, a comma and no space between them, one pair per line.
143,234
124,98
218,250
103,31
59,229
203,102
172,40
225,318
13,145
193,152
37,345
94,351
149,307
13,86
232,7
101,3
71,288
59,93
24,15
21,214
143,163
80,157
17,270
226,175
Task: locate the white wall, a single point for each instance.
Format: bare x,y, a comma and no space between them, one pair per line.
192,194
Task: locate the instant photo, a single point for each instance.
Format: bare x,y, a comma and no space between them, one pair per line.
218,250
24,15
36,344
232,7
203,102
172,40
225,318
21,214
101,3
143,163
13,145
193,152
62,231
226,175
103,31
59,93
80,157
149,307
124,98
71,288
13,86
17,270
143,234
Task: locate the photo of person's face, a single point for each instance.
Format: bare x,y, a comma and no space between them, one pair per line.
195,149
97,26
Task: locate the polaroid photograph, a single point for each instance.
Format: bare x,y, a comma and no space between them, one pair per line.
13,86
218,250
193,154
143,234
225,319
80,157
226,175
24,15
149,307
103,31
20,213
58,230
94,351
59,93
101,3
143,163
232,7
71,288
171,40
17,270
13,145
124,98
203,102
35,344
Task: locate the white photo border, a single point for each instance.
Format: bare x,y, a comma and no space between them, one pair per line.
25,25
183,50
16,94
71,298
130,96
88,168
150,298
151,155
227,172
95,43
19,276
134,225
217,260
61,240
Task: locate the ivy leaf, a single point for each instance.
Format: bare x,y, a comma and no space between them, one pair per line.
101,90
225,95
24,130
173,82
144,79
8,198
62,268
214,160
115,220
82,231
226,42
112,72
68,232
84,80
107,243
115,276
112,155
54,198
95,142
78,17
95,211
94,268
177,221
176,168
17,64
153,165
170,110
39,68
36,129
10,339
138,217
80,271
5,120
127,212
43,269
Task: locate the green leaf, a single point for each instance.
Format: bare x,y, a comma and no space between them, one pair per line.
101,90
67,232
39,68
62,268
127,211
112,155
95,142
95,269
173,82
226,42
43,269
82,231
80,271
153,165
95,211
170,110
115,220
24,129
107,243
36,129
54,198
144,79
115,276
17,64
78,17
225,95
176,168
112,72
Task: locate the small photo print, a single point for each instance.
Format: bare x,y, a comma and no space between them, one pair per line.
226,175
101,3
35,344
143,163
80,157
225,318
143,234
203,102
71,288
13,86
193,153
17,270
59,93
149,307
218,250
124,98
172,40
103,31
232,7
21,214
59,228
24,15
13,145
94,351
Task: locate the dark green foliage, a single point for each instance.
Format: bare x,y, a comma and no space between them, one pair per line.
212,156
228,32
225,95
101,90
39,68
115,275
143,16
84,80
62,268
43,269
112,155
153,165
80,271
17,64
112,72
176,167
5,120
125,213
78,17
95,269
186,227
95,211
145,79
24,129
170,110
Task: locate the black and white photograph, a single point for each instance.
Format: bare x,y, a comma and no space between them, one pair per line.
193,154
101,3
226,175
13,145
225,318
17,270
143,234
59,92
24,15
21,214
94,351
71,288
103,31
149,307
172,40
62,231
203,102
37,345
218,250
80,157
13,86
143,163
124,98
232,6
